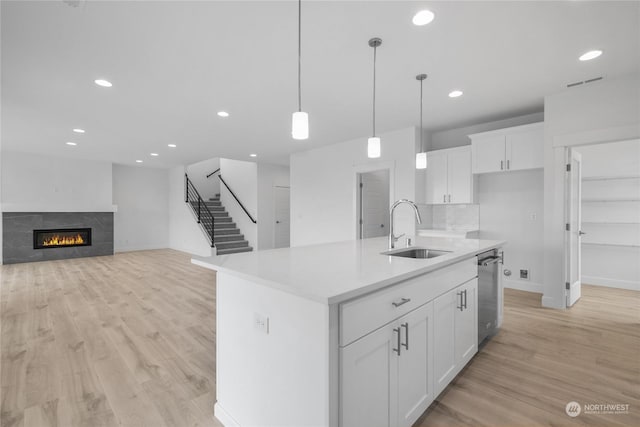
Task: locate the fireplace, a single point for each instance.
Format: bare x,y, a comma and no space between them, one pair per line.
61,238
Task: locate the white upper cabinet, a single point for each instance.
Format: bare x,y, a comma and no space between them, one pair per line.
515,148
449,178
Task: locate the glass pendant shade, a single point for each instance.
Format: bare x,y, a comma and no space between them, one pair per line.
300,125
373,147
421,160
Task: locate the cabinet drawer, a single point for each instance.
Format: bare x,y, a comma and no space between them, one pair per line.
368,313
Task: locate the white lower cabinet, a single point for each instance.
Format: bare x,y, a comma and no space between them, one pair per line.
455,319
386,376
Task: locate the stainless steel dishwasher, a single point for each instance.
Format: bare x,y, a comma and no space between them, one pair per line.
488,293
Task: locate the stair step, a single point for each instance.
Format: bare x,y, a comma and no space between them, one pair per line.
234,250
214,199
232,244
224,232
227,238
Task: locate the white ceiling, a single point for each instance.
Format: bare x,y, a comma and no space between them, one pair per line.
175,64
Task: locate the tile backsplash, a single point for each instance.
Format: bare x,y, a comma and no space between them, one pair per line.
451,217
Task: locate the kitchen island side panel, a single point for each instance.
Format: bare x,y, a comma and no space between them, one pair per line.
279,377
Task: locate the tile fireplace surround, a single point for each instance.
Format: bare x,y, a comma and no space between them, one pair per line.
18,227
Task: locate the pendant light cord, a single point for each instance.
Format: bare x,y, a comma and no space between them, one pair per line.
299,55
375,48
421,132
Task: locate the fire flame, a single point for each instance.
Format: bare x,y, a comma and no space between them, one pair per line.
57,240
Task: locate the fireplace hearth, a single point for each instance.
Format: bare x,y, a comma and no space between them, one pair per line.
61,238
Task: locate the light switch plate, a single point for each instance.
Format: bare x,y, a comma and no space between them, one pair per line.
261,322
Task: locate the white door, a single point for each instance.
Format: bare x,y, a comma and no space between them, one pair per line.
574,232
369,380
466,323
436,184
444,357
525,150
415,384
281,216
374,204
459,176
488,154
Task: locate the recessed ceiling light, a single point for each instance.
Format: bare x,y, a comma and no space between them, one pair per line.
592,54
71,143
455,93
138,161
253,155
423,17
223,114
155,154
171,145
103,83
78,130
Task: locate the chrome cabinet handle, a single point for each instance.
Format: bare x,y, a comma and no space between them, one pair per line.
459,307
581,233
465,299
508,165
444,198
449,198
402,301
397,331
501,165
406,334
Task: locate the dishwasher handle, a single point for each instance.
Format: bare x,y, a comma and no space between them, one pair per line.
491,260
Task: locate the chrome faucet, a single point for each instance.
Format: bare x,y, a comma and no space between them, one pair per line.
393,239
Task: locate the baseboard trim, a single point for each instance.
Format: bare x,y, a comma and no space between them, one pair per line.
611,283
223,416
523,286
550,302
140,248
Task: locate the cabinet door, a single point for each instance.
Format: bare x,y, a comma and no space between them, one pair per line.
444,357
525,150
436,178
466,323
459,178
415,382
488,153
369,380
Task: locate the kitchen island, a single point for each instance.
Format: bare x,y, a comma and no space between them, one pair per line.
341,334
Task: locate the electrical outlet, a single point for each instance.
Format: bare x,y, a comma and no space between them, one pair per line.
524,274
261,322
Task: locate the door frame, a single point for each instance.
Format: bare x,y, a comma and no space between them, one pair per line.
364,168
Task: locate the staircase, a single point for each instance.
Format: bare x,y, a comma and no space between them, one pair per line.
215,222
226,236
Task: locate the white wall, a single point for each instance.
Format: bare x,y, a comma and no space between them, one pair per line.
269,176
599,112
511,209
184,232
458,137
142,219
323,186
35,183
207,187
242,178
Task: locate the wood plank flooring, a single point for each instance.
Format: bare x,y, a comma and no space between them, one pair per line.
543,359
129,340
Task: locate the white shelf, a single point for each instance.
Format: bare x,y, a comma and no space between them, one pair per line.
611,244
609,178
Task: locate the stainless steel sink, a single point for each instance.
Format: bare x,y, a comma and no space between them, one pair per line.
418,253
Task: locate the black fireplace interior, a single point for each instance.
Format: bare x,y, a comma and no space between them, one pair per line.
61,238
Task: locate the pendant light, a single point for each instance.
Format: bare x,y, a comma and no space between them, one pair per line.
421,157
300,119
373,144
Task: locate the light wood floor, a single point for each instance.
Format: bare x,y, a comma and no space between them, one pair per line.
125,340
543,359
130,340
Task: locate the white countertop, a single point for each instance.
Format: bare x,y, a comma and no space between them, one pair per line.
335,272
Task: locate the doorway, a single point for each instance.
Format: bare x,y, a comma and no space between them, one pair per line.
281,205
373,203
